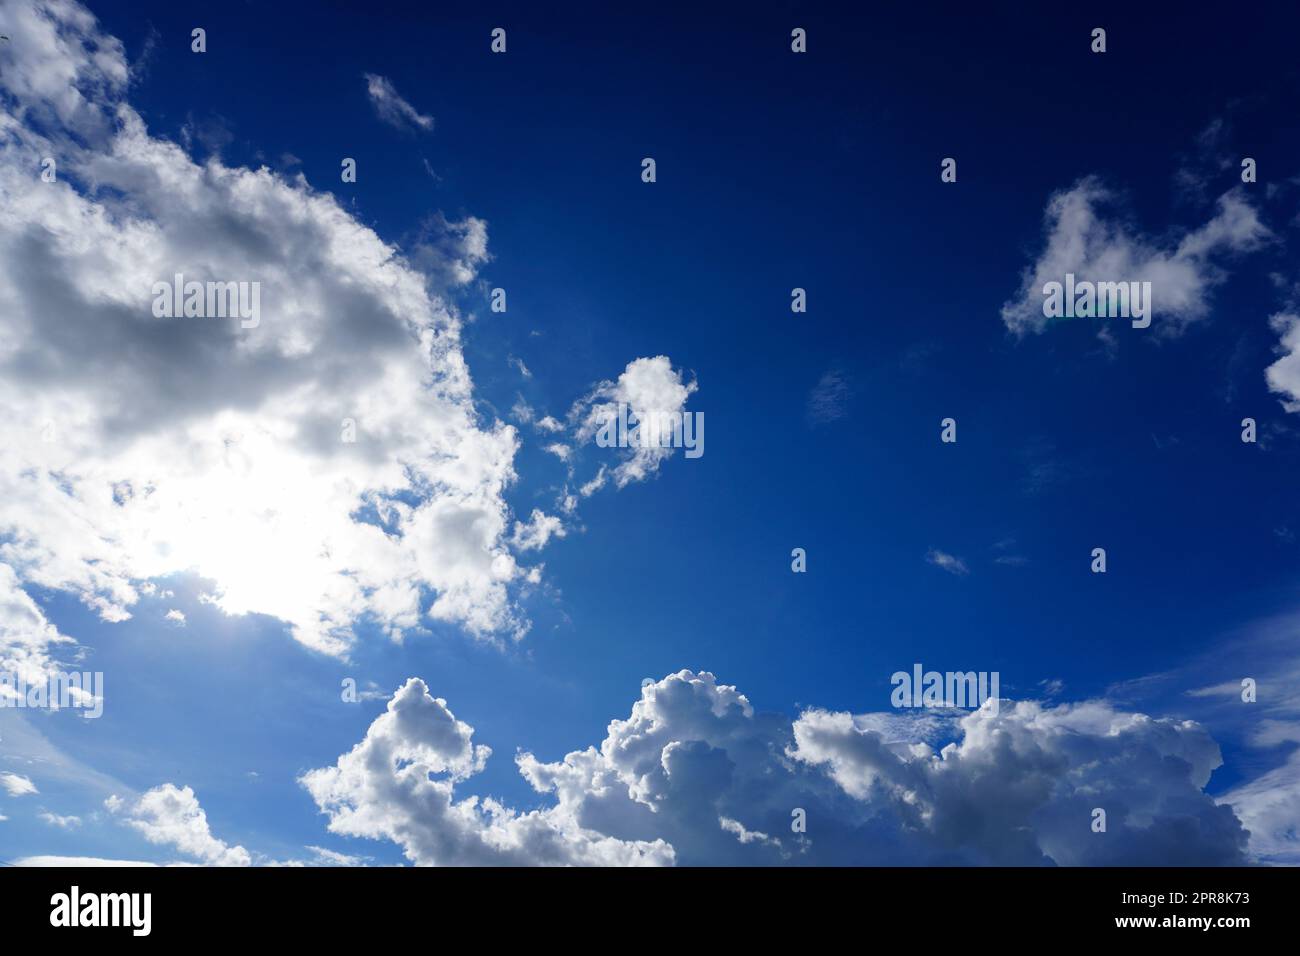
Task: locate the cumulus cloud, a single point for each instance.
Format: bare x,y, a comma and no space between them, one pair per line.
1084,236
695,775
138,446
538,531
398,784
391,108
17,785
171,816
654,394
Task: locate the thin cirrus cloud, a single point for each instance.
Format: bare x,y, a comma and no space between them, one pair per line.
392,108
829,398
948,562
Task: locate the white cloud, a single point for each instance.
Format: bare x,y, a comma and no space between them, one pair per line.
171,816
175,616
77,861
696,776
391,108
538,531
1269,807
829,398
17,785
26,637
1283,376
138,447
1020,787
1082,240
398,784
324,857
63,823
654,392
949,563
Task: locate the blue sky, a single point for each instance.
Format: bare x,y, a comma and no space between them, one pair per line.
775,170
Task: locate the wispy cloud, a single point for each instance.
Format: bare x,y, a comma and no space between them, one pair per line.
829,398
392,108
950,563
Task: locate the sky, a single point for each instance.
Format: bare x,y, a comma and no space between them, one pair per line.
565,653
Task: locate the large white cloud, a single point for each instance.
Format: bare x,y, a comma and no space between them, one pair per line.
696,776
138,446
1086,236
398,784
169,815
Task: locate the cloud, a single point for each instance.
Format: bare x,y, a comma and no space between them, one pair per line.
696,776
1082,239
450,252
1263,731
1269,807
138,447
398,784
1020,787
171,816
16,785
392,109
949,563
829,398
324,857
538,531
63,823
76,861
653,392
1283,376
26,637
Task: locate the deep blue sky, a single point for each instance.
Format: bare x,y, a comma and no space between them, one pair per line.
774,171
